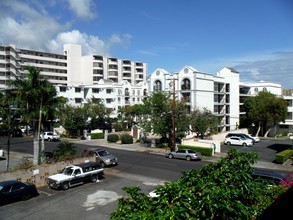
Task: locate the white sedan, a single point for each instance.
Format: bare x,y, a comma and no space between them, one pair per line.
238,141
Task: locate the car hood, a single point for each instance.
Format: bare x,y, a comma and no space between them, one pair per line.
59,177
109,157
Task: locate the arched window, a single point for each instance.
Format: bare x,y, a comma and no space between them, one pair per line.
126,92
157,86
185,84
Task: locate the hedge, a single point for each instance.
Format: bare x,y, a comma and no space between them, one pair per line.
126,139
97,136
203,150
282,156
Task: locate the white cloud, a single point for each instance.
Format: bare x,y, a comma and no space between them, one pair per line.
82,8
32,26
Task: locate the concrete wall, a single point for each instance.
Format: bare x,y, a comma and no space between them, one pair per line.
39,174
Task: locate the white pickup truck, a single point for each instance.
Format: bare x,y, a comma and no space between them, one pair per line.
1,153
73,175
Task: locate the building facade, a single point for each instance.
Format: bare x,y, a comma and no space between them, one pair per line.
113,81
223,94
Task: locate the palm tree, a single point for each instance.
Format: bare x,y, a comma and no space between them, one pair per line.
37,98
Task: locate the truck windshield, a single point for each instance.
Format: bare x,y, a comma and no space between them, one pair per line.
67,171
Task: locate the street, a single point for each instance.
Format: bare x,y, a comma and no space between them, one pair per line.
98,200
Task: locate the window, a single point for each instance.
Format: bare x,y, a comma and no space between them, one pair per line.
157,86
108,91
95,90
265,89
78,100
77,89
62,89
256,89
108,101
185,84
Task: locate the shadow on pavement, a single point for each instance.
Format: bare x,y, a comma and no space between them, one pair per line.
280,147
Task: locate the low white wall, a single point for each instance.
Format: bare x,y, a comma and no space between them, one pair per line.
215,145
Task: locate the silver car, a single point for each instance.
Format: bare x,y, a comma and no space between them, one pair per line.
103,157
185,154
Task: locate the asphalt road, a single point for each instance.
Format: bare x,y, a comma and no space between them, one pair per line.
98,200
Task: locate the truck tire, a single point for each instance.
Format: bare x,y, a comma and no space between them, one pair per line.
65,186
94,178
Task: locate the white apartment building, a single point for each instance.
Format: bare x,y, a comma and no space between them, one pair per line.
223,93
115,82
118,82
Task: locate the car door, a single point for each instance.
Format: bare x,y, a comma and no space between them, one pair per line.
180,154
235,140
78,177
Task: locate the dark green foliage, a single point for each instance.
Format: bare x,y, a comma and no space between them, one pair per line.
65,151
222,190
126,139
282,156
97,135
113,138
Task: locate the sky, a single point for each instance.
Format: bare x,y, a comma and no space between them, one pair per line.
255,37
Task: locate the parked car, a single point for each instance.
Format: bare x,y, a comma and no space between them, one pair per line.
242,135
1,152
256,139
13,190
271,175
184,154
50,136
238,141
16,132
103,157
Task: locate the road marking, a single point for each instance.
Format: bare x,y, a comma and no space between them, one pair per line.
100,197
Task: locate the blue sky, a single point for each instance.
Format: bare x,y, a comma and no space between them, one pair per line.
253,36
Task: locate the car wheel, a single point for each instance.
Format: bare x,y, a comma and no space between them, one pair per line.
170,156
49,139
65,186
102,164
188,158
228,143
26,196
244,145
94,178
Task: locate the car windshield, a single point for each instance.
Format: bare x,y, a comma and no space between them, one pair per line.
67,171
103,153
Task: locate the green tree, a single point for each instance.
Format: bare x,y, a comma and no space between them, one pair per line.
222,190
65,151
35,97
265,110
203,121
158,112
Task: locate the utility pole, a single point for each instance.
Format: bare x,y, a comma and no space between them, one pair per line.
174,115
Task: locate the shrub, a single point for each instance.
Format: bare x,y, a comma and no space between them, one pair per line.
282,156
113,138
97,135
65,151
126,139
25,164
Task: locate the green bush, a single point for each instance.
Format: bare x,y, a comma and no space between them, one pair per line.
97,135
126,139
65,151
113,138
203,150
282,156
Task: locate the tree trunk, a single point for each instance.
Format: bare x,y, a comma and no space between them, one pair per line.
267,132
258,130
